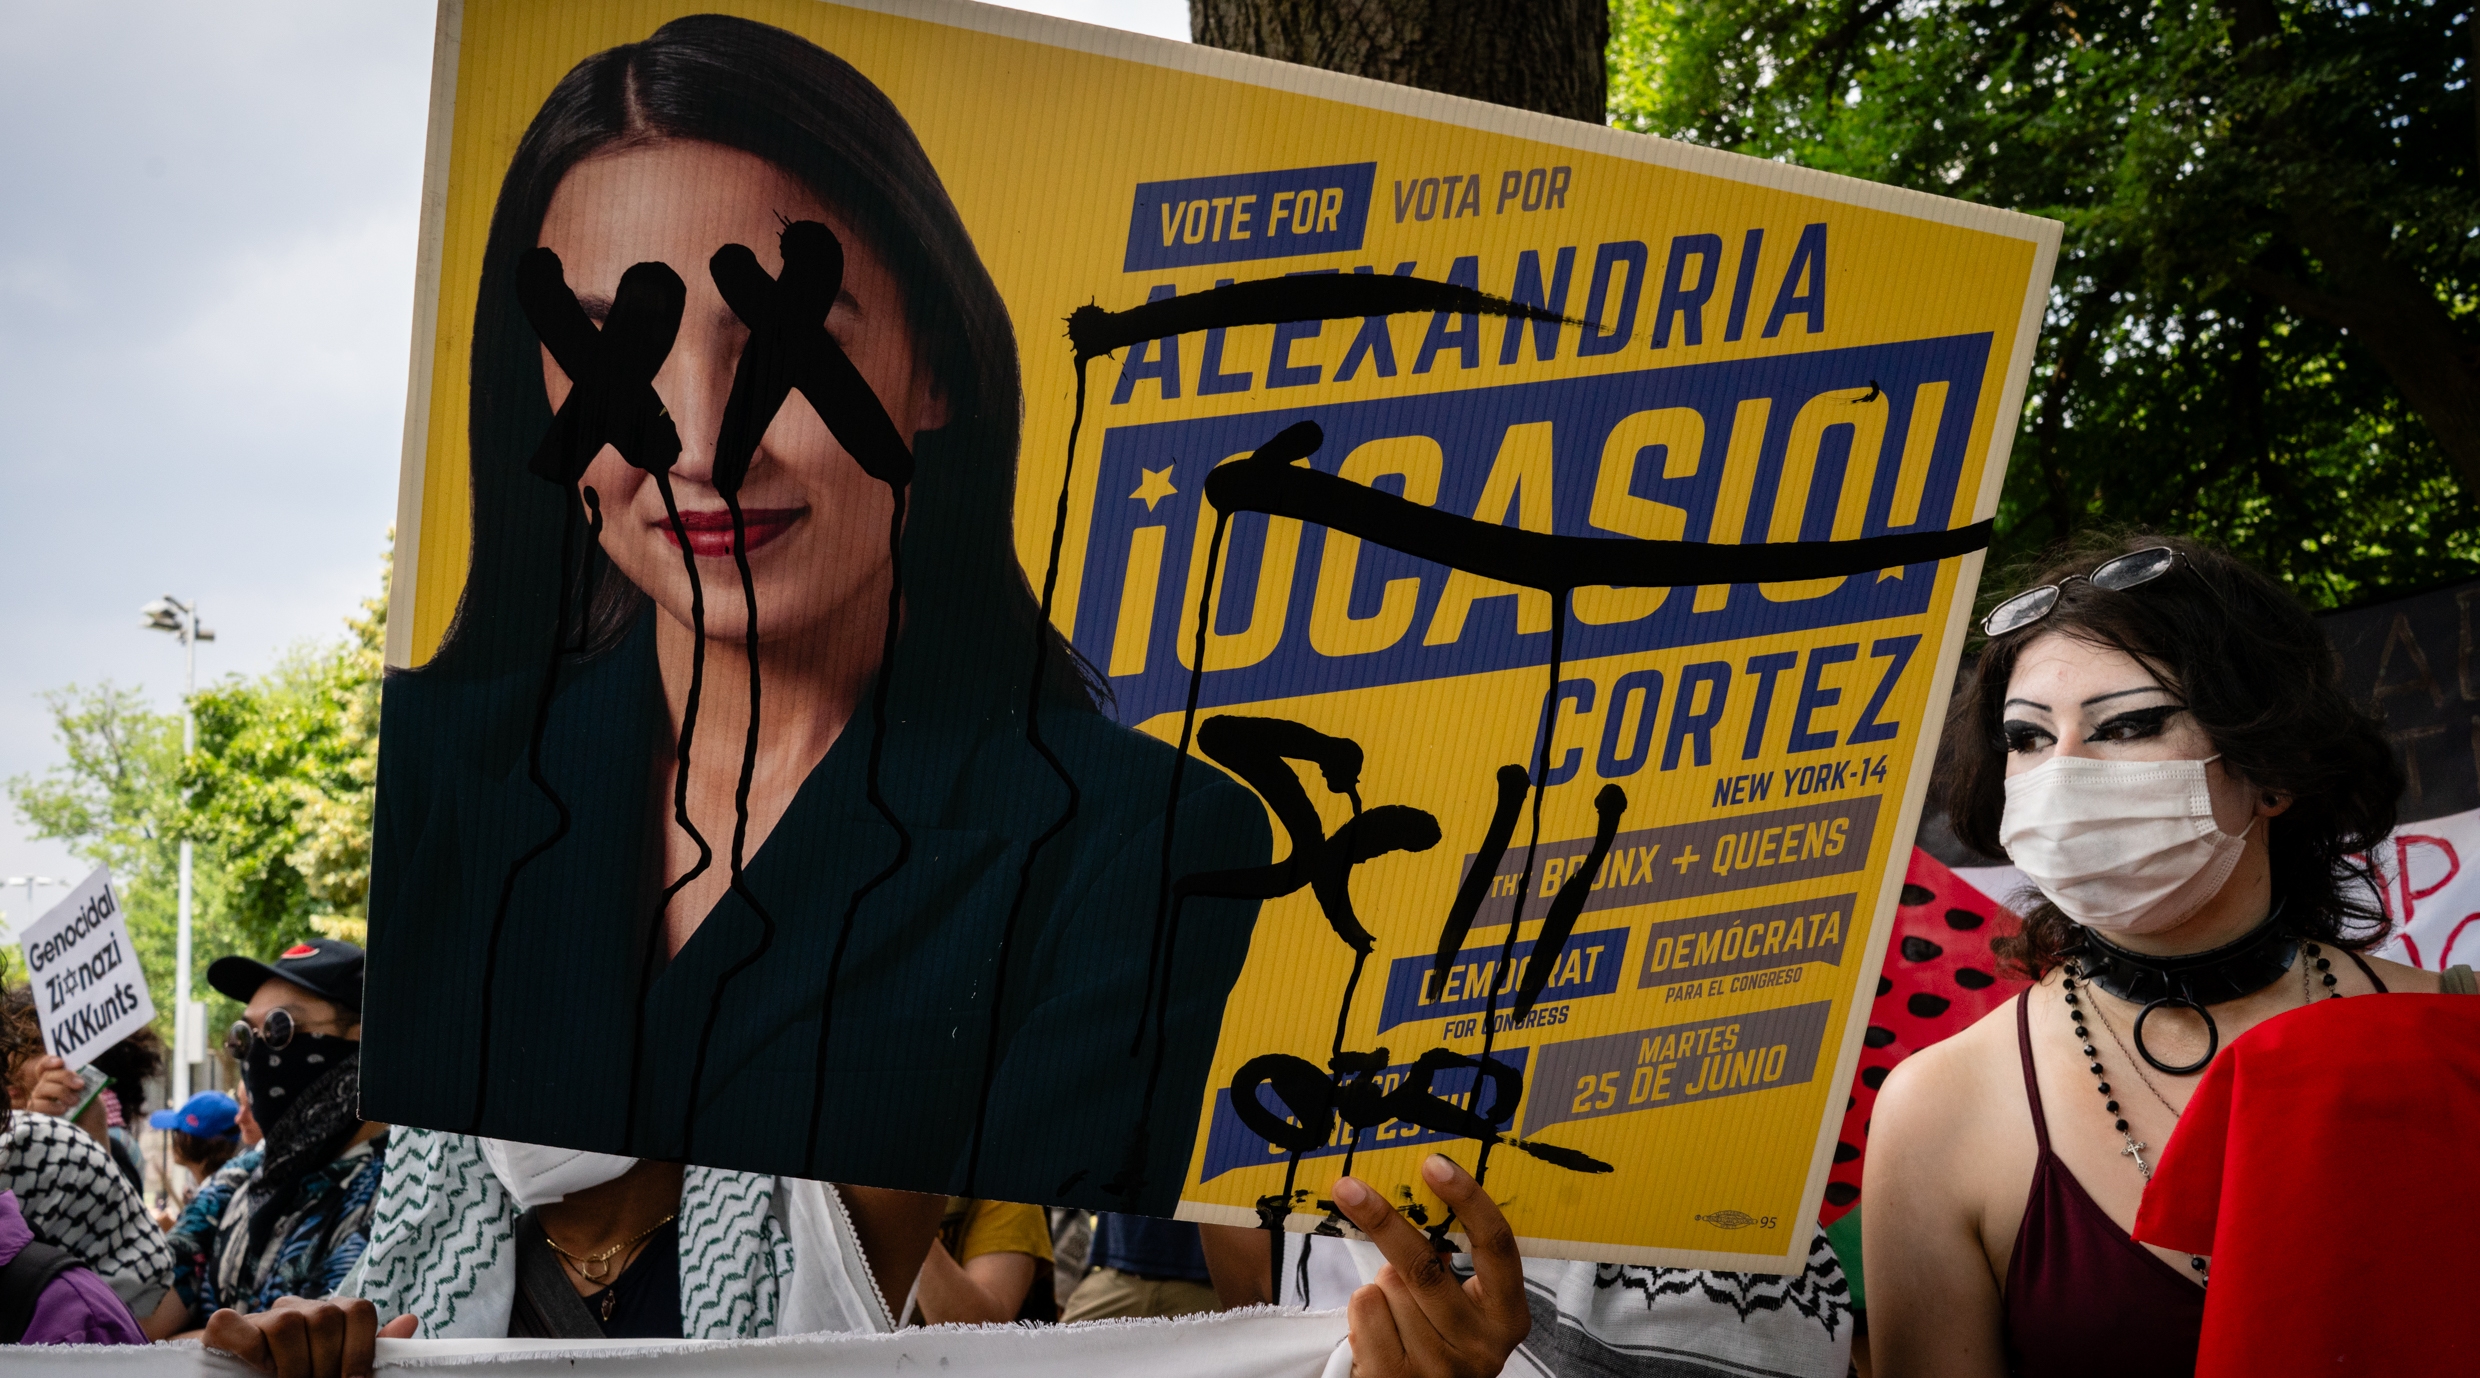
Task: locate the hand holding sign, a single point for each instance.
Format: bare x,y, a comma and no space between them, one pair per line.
1418,1318
88,991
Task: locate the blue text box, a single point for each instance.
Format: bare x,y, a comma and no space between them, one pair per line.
1249,215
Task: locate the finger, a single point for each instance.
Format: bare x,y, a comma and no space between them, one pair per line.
1405,1247
327,1324
1377,1351
229,1331
288,1342
401,1328
1497,1267
361,1338
1427,1330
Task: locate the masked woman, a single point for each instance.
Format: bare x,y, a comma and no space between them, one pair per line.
2157,737
610,913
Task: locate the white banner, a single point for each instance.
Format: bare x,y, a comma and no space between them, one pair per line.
2432,891
1260,1343
88,991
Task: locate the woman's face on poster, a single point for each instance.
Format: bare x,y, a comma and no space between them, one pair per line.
816,524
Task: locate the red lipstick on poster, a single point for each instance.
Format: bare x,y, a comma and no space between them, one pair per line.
710,532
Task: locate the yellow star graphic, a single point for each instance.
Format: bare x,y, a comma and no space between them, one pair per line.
1156,487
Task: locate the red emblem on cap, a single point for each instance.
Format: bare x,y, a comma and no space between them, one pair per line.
300,950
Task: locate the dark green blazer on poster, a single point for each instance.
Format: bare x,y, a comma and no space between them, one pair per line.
570,1061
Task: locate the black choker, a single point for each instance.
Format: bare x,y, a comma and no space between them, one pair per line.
2229,972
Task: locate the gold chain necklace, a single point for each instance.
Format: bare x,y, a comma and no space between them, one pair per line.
597,1267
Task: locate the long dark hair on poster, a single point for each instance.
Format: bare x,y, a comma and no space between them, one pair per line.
760,90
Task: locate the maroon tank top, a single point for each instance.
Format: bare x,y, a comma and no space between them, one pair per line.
2082,1298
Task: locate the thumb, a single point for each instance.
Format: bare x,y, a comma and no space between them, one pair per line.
401,1328
227,1331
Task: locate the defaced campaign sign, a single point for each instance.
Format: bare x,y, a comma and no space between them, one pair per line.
1000,608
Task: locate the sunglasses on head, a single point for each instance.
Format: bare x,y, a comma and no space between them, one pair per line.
2124,572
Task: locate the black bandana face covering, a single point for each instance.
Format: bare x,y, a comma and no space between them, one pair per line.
277,1077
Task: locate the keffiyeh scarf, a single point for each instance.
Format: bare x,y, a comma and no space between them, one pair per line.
73,1195
759,1255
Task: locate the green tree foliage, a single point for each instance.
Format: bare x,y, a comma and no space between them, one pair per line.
2266,306
276,803
117,798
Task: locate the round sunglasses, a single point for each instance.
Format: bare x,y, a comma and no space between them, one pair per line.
2124,572
277,1033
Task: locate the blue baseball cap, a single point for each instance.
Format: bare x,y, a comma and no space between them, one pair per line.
207,1115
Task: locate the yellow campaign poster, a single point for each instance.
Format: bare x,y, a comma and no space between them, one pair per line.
996,607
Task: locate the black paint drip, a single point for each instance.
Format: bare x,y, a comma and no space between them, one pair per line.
1524,878
1610,803
1068,807
612,402
1269,482
878,801
788,348
1095,332
1131,1177
740,832
1512,783
1281,301
658,932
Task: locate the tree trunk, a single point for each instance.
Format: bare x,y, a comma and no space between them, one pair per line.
1543,55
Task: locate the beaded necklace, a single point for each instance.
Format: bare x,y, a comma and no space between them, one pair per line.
2135,1147
2083,1038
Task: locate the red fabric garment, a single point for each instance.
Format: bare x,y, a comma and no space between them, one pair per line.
2325,1166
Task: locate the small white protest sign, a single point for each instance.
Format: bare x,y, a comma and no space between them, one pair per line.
88,991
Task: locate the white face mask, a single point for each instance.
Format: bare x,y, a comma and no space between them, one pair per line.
2122,846
536,1174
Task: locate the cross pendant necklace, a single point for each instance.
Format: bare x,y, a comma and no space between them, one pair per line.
2118,1116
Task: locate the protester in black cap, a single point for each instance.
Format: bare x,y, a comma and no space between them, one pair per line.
298,1223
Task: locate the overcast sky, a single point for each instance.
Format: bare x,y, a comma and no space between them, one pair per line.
206,284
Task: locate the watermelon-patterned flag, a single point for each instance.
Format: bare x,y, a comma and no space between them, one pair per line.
1940,976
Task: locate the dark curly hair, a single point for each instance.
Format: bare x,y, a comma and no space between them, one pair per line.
21,1034
205,1156
2261,679
131,1063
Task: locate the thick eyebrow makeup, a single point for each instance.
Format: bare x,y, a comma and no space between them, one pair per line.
2087,703
2123,693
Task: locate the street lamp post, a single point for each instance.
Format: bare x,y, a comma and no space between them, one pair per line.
30,882
170,614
